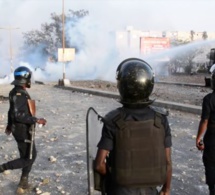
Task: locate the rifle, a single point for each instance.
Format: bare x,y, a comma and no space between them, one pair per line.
32,108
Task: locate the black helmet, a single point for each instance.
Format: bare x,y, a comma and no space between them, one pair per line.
22,76
213,80
135,81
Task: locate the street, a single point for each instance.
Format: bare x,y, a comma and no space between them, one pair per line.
60,167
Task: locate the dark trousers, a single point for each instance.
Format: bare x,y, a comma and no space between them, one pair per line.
23,162
210,178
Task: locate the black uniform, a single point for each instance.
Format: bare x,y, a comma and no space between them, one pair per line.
20,121
208,112
108,139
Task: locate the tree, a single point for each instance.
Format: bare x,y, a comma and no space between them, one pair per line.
183,58
178,42
204,35
46,41
175,64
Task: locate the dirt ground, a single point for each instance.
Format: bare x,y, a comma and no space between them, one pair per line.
169,92
60,167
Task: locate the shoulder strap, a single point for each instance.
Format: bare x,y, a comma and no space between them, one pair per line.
158,120
118,120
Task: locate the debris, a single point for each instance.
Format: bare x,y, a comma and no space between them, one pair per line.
45,181
20,191
54,139
52,159
46,193
7,172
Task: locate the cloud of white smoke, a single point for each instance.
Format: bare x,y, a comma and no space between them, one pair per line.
98,58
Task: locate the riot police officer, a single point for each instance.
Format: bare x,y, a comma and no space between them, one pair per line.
207,128
134,151
20,120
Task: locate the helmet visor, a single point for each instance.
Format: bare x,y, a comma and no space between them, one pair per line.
25,74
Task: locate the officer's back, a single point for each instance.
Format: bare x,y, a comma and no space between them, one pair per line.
136,137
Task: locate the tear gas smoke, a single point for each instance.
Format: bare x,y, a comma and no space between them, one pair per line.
98,59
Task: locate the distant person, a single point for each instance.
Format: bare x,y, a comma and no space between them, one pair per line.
134,152
207,128
20,124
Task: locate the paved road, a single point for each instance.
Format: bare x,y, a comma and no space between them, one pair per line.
64,139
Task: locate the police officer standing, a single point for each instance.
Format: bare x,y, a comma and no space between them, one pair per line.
134,152
207,128
20,121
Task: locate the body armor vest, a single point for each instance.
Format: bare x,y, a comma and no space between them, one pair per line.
11,96
140,159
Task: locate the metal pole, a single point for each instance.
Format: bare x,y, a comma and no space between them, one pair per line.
11,54
11,50
63,39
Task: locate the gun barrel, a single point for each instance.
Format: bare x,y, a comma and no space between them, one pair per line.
31,142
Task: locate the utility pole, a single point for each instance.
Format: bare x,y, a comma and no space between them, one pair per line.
63,39
65,54
11,50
